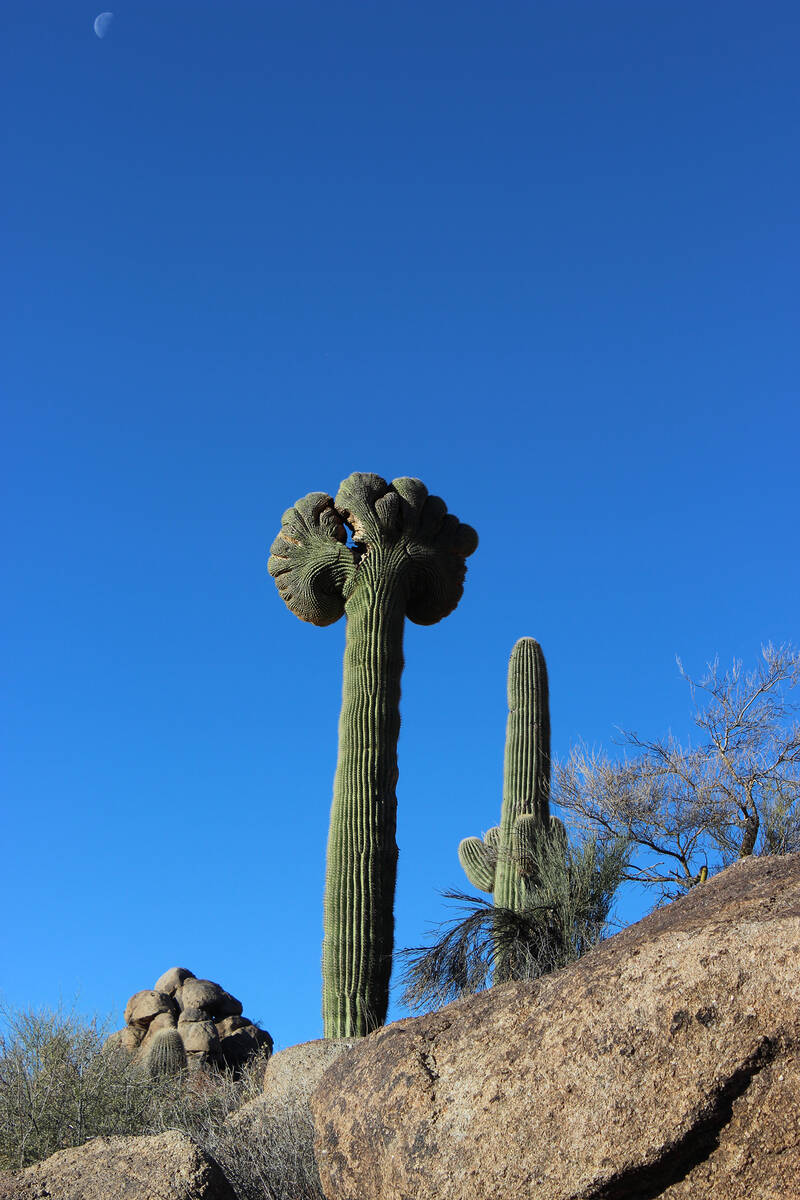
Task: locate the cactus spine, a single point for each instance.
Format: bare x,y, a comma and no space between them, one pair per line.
503,862
407,561
167,1055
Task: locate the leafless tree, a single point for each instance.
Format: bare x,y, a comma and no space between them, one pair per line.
693,809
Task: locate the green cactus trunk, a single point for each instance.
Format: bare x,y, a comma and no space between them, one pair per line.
504,861
526,770
525,815
362,851
406,559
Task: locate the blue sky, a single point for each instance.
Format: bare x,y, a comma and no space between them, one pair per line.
542,255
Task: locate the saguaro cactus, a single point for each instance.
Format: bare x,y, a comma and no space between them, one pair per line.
503,862
407,560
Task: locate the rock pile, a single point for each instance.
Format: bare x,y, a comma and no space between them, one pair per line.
208,1019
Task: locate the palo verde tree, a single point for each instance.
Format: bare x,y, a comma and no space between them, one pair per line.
407,560
692,808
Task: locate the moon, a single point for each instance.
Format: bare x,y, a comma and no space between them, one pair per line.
102,23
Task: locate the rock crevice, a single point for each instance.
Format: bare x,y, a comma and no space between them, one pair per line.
661,1066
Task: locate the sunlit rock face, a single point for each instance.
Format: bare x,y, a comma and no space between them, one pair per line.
664,1065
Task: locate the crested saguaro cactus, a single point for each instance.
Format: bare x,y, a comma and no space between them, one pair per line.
406,560
503,862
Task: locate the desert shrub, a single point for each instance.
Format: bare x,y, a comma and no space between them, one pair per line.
568,912
59,1088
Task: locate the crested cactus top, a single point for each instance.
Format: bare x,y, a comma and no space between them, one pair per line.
316,571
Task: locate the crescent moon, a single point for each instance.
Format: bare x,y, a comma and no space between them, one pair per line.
102,23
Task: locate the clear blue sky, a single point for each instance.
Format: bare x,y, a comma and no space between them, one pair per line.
542,255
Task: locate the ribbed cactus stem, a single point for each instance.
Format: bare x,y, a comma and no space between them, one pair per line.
479,862
526,771
166,1055
362,852
407,559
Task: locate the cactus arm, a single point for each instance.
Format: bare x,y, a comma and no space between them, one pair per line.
478,862
558,832
492,840
527,832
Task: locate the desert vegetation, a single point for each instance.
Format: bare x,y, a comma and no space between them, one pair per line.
564,913
60,1086
665,816
689,809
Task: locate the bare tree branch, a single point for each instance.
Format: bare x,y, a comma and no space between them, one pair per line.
735,792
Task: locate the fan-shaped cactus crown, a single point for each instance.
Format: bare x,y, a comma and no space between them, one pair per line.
316,571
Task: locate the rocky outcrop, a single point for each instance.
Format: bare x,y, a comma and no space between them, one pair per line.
290,1078
276,1129
208,1019
665,1064
167,1167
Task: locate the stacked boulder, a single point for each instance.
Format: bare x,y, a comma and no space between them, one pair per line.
184,1021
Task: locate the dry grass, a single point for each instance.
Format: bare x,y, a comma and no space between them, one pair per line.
59,1089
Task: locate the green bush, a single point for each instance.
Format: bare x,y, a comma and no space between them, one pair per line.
59,1088
566,914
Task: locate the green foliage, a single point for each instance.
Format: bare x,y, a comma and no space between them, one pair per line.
407,560
565,914
56,1090
59,1088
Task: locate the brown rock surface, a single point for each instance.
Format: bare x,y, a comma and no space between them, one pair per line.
167,1167
172,980
164,1020
199,1037
128,1039
290,1078
240,1039
210,997
144,1006
665,1064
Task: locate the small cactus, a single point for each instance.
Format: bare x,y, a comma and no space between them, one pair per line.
166,1055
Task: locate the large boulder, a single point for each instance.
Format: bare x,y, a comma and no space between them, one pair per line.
127,1040
240,1040
144,1007
275,1130
290,1078
200,1041
172,980
664,1064
166,1167
210,997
